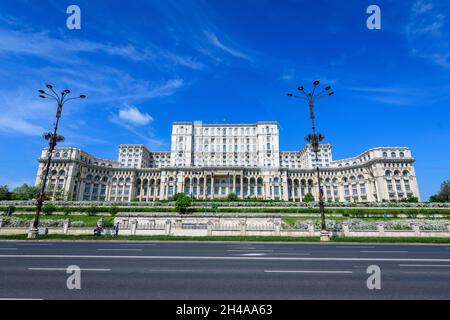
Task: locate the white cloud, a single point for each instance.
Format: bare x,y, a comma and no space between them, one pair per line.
14,124
134,116
427,31
214,40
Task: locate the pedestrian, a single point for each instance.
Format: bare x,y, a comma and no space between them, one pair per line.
116,229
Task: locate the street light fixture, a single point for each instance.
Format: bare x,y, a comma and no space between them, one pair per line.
314,139
53,138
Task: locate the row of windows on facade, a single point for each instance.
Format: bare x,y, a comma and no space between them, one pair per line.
225,131
82,158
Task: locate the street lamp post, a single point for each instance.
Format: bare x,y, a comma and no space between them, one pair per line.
53,139
315,138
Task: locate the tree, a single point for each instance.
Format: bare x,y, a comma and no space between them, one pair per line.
25,192
182,203
232,196
411,199
178,195
308,197
48,209
444,193
4,193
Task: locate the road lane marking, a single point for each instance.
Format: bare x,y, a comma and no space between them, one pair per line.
65,269
33,244
354,247
374,251
424,265
291,254
251,254
307,271
119,249
251,250
137,244
14,299
55,256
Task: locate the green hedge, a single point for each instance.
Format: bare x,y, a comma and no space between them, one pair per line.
347,212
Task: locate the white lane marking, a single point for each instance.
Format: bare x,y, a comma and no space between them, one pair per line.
65,269
34,244
354,247
119,249
374,251
306,271
137,244
262,250
13,299
291,254
252,254
8,248
62,256
424,265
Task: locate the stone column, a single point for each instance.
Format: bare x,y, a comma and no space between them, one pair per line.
234,183
311,229
416,229
209,228
293,190
380,229
212,187
133,226
277,227
345,229
242,186
66,227
243,224
205,178
168,227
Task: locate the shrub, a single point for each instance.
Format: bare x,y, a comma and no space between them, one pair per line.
215,207
308,197
67,210
92,211
10,210
232,197
182,203
48,209
177,196
113,210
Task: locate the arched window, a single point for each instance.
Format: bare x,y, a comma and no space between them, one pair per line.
396,173
89,177
405,173
393,154
57,155
402,154
361,178
384,154
62,173
388,173
65,155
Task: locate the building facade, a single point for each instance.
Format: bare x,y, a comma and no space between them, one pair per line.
210,161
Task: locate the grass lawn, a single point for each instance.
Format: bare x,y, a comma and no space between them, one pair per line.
393,239
89,221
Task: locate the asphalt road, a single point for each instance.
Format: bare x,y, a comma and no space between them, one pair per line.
162,270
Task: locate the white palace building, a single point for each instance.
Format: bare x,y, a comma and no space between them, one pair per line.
213,160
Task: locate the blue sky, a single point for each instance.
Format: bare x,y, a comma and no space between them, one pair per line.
144,64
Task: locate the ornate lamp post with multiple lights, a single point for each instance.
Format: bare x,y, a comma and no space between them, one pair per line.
53,139
315,138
